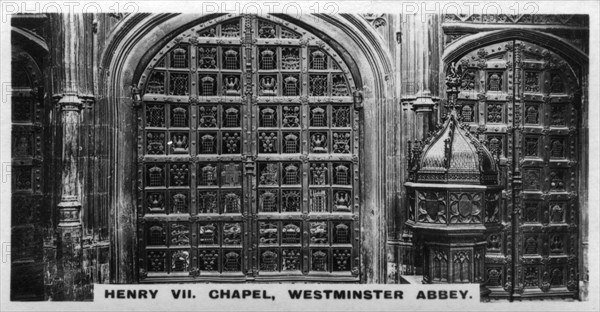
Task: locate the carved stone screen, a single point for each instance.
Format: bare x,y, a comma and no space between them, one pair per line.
522,99
248,157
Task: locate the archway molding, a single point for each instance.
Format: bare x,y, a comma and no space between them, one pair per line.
137,39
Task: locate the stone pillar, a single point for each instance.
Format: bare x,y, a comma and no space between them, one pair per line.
417,61
71,84
416,70
69,223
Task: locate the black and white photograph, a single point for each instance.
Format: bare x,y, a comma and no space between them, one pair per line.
308,155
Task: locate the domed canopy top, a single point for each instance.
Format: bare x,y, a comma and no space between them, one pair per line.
454,155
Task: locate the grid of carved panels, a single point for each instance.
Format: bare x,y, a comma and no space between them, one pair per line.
306,145
518,85
548,224
281,244
192,114
248,136
283,216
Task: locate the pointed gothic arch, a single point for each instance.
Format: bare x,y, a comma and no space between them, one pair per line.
538,102
134,42
552,42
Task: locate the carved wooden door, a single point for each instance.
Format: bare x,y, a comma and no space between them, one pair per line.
30,218
248,157
522,100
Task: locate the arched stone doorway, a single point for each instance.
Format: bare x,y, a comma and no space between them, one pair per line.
248,157
126,59
29,219
521,93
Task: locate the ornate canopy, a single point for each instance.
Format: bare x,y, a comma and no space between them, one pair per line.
452,155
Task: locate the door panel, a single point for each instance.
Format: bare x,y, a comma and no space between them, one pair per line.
249,160
30,218
519,98
548,166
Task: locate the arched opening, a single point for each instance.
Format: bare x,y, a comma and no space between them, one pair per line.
29,201
234,113
125,60
521,93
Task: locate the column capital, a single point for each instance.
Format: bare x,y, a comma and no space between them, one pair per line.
68,101
69,202
420,102
424,102
68,212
